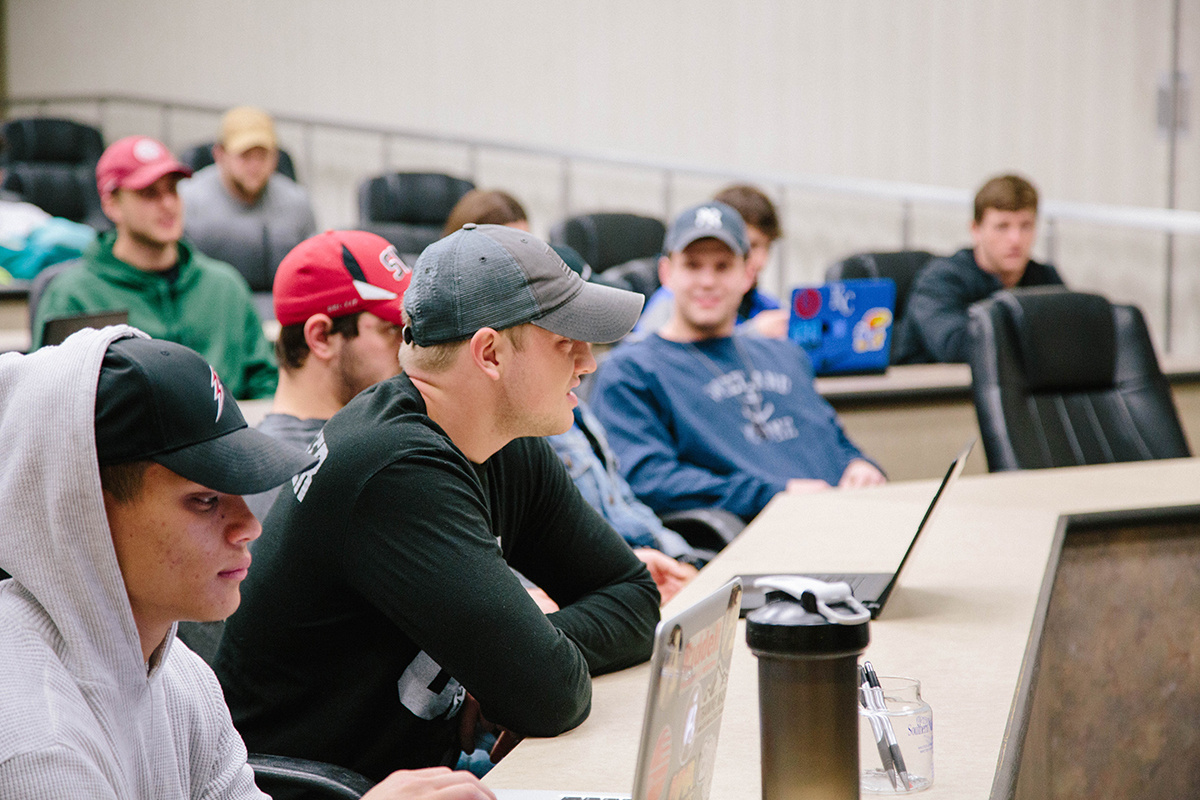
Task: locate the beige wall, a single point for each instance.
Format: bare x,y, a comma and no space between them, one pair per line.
941,92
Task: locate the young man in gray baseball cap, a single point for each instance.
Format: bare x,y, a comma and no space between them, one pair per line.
383,618
700,415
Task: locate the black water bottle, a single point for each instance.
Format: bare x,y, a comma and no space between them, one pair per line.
808,638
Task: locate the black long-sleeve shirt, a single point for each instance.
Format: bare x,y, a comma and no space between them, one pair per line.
381,590
934,327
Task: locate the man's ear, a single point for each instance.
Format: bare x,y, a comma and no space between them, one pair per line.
108,204
218,153
318,336
749,278
487,348
975,231
664,271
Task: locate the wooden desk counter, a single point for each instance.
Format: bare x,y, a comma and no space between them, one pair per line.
966,618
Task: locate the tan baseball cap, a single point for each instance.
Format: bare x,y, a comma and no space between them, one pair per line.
245,127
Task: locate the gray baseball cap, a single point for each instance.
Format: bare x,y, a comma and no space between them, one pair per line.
711,220
494,276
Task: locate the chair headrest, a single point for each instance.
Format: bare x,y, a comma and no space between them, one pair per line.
416,198
55,140
1066,340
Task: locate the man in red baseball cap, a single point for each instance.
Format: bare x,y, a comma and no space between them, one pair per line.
337,297
170,290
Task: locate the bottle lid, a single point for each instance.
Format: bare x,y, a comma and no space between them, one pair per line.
804,625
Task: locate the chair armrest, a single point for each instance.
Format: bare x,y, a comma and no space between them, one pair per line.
705,528
329,780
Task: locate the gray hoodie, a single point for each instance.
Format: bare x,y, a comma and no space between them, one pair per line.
81,714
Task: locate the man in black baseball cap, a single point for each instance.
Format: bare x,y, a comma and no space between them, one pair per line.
383,614
124,459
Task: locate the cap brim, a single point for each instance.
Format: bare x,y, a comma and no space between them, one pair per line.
599,314
388,310
244,461
696,234
240,143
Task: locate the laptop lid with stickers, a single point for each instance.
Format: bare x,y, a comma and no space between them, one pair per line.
845,326
689,674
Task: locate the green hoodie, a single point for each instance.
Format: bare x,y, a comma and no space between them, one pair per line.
207,308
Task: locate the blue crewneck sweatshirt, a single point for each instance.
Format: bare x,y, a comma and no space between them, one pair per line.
717,422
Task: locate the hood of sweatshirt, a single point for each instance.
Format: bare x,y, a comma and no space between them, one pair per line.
54,534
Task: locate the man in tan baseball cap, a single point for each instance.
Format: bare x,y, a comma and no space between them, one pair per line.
247,153
241,209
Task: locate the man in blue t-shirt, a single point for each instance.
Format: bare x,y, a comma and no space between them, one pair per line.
699,416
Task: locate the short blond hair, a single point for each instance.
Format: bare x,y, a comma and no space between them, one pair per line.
434,359
437,358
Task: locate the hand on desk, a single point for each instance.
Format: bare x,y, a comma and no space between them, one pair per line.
772,324
543,600
471,720
860,474
669,575
806,486
434,783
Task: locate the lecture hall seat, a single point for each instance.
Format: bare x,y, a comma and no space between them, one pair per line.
1065,378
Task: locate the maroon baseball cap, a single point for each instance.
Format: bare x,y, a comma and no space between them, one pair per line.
134,163
338,273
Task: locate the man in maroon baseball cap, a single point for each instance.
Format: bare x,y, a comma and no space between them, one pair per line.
337,297
169,289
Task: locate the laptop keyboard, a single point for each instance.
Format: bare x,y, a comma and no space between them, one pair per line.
855,581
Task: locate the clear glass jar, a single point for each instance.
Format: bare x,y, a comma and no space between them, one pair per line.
907,723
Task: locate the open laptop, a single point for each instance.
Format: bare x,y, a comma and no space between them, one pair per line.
689,673
845,326
55,331
872,589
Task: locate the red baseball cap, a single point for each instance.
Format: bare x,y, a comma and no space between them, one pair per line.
134,163
338,273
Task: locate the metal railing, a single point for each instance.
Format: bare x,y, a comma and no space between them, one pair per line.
907,196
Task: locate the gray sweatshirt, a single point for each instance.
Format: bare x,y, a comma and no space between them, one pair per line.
81,714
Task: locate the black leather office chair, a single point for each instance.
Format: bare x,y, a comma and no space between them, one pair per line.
37,286
52,163
705,529
281,776
1065,378
607,239
409,208
639,275
901,266
201,156
250,247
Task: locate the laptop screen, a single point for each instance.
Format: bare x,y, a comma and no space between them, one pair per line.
55,331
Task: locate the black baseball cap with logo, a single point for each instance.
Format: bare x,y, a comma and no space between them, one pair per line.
162,402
